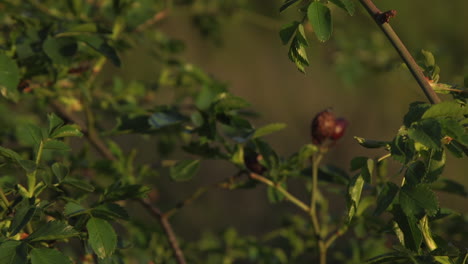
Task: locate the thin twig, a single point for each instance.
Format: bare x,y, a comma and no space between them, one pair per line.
167,229
382,21
278,187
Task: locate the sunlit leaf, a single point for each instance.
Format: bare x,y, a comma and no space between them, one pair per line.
319,16
184,170
102,237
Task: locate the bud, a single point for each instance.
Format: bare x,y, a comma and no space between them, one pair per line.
340,127
322,127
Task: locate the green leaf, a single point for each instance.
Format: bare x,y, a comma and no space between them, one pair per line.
454,129
287,31
184,170
268,129
60,171
100,45
54,122
333,174
427,132
53,230
208,94
24,213
9,78
368,143
274,196
354,195
319,16
419,199
56,145
165,118
119,191
415,112
365,164
386,197
347,5
435,164
286,4
35,132
8,153
428,58
408,224
66,131
13,252
48,256
79,184
238,155
102,237
110,211
60,50
446,108
402,148
73,209
226,102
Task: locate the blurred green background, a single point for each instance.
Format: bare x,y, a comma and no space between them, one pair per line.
357,73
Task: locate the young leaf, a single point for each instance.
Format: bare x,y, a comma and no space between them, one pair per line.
184,170
268,129
347,5
102,237
54,122
319,16
66,131
48,256
354,195
53,230
9,78
368,143
386,197
287,31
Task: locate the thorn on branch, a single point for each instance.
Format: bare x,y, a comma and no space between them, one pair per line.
385,16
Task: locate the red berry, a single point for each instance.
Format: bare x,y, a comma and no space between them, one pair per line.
340,128
322,127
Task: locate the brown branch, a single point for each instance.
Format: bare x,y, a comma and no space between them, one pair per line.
163,219
382,21
97,143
